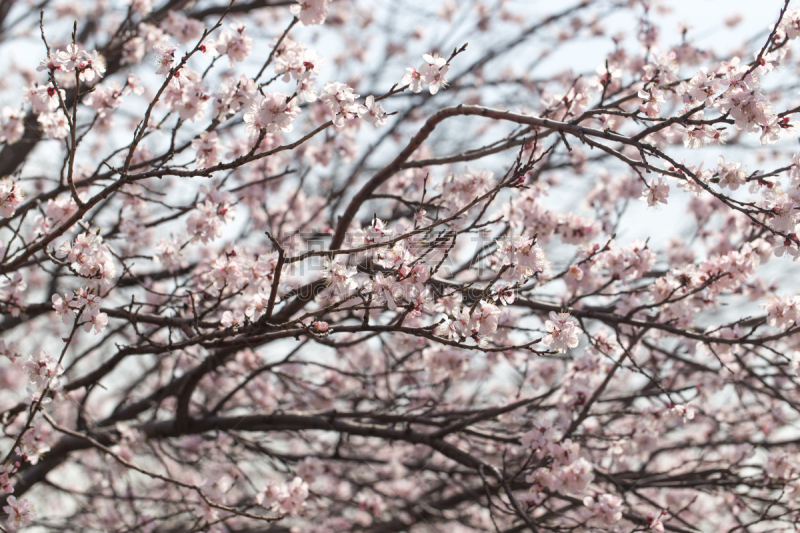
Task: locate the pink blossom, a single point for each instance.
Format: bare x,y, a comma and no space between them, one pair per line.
339,278
232,320
45,98
310,12
374,113
412,78
605,510
562,331
43,371
7,470
271,113
167,58
236,44
55,125
169,255
652,98
285,498
11,128
97,321
385,290
731,175
20,512
790,24
90,256
655,522
310,469
183,28
340,100
657,192
782,311
208,149
521,254
540,438
433,71
574,478
11,196
206,221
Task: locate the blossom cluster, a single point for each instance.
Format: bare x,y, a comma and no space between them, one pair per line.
285,498
432,73
48,100
349,327
89,256
11,196
562,331
84,300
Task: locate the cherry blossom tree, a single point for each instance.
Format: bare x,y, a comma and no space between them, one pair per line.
281,266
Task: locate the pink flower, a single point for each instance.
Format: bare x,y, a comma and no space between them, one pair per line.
10,197
12,127
605,510
655,522
206,221
652,98
702,88
208,149
9,348
6,470
310,12
448,329
46,98
433,72
731,175
69,58
273,112
141,7
183,28
485,319
540,438
187,95
782,311
169,255
310,469
54,125
93,66
373,112
790,24
385,290
562,331
236,44
413,79
95,320
574,478
340,99
43,370
167,56
257,305
339,278
232,319
89,256
685,412
49,64
105,100
285,498
657,192
521,254
63,307
20,512
370,502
